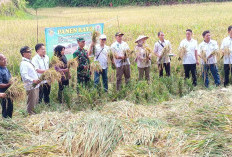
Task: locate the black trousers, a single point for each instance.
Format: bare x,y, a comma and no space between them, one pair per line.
167,67
193,69
61,88
44,92
227,71
7,107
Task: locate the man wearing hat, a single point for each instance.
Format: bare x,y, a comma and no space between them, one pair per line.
29,77
122,63
165,61
143,57
83,69
101,55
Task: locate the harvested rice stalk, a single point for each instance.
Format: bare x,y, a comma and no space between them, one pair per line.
55,61
215,52
165,52
73,63
148,53
203,56
111,59
127,54
95,66
16,90
182,52
95,34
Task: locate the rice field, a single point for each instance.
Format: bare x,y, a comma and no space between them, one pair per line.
168,117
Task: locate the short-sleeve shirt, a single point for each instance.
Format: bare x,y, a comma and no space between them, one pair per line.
41,63
227,43
141,57
209,48
5,77
101,55
83,60
158,50
118,49
191,47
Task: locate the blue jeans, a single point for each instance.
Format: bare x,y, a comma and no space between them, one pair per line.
104,78
214,70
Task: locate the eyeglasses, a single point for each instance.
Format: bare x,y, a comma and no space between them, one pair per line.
103,39
28,51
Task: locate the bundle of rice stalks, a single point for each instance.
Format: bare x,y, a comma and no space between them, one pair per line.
111,59
165,53
182,52
215,53
95,34
127,54
55,61
203,56
226,51
73,63
16,90
95,66
148,53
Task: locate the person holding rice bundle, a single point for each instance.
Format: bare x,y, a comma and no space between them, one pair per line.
101,56
29,77
143,57
189,56
122,62
41,63
207,50
5,83
163,61
226,48
83,69
64,70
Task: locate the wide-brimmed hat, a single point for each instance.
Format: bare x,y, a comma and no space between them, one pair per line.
141,37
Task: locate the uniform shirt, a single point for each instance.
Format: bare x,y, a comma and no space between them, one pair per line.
83,60
101,55
28,74
41,63
227,43
158,50
141,57
118,49
209,48
191,47
4,77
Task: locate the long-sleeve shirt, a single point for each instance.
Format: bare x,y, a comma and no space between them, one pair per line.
4,77
28,74
141,59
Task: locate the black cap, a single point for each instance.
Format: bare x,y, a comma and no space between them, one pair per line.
25,49
118,33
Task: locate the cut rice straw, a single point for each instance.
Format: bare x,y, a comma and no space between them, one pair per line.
16,91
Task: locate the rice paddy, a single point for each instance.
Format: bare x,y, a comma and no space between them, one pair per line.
167,117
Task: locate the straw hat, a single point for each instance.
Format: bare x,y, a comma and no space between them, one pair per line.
141,37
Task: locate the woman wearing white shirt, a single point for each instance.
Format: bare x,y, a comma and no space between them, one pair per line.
227,44
208,46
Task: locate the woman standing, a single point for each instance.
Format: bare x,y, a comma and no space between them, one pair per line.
143,55
59,52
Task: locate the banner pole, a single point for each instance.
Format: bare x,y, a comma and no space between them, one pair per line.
37,26
118,24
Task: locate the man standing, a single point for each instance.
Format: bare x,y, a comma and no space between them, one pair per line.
30,79
227,46
190,59
165,61
7,103
121,61
207,49
83,69
41,63
101,56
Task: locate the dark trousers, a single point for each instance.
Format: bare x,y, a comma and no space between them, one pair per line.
193,69
61,88
7,108
167,67
214,70
44,92
120,71
104,78
227,71
145,71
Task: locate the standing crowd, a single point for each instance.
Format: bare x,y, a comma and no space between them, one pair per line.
38,91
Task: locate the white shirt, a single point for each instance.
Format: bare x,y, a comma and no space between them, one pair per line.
118,49
191,47
141,57
102,53
158,50
209,48
227,43
28,73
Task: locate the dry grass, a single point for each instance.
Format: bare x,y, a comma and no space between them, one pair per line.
165,53
56,62
182,52
73,63
51,75
16,91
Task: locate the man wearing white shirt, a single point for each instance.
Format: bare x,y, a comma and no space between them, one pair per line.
122,63
101,55
227,44
190,59
209,46
41,63
30,79
158,48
